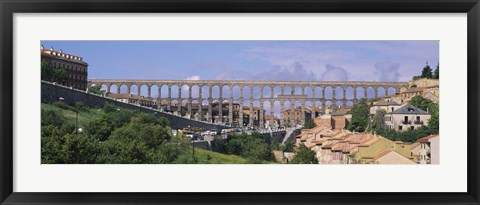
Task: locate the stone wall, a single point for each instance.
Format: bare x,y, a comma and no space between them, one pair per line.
52,93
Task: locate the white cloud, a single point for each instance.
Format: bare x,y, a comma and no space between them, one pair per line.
387,71
193,77
292,72
334,73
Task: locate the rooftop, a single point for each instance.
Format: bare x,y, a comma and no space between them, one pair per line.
61,55
427,138
408,109
414,90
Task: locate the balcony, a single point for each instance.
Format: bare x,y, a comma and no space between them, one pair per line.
418,122
406,122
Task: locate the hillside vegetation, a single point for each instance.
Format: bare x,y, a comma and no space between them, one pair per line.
109,135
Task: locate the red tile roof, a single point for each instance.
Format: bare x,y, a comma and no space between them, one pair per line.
425,139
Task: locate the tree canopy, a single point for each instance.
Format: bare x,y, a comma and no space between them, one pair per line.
121,136
436,73
427,72
360,112
309,124
253,147
304,156
95,90
52,74
431,107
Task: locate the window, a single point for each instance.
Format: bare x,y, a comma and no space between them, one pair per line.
405,118
412,127
418,118
400,127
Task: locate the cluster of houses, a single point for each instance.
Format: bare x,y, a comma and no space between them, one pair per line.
333,144
340,146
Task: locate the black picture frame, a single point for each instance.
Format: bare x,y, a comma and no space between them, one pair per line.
10,7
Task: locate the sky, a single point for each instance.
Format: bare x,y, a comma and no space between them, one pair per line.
254,60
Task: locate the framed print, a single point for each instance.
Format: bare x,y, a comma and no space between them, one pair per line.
254,102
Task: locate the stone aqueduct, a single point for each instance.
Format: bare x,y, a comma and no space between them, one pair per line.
283,97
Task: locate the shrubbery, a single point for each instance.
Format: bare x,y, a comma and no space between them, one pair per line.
405,136
252,147
309,124
360,112
121,136
304,156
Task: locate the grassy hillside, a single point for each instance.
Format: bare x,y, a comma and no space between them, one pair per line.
83,116
89,115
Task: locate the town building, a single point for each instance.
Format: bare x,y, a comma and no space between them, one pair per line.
385,106
392,157
339,119
76,69
412,92
345,147
384,151
256,115
397,98
132,99
407,117
296,118
429,152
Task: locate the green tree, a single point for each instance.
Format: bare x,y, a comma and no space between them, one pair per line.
52,141
436,73
304,156
378,120
421,102
59,75
287,146
427,72
109,107
253,147
152,135
407,135
429,106
434,121
183,112
100,127
360,113
52,117
275,146
96,90
218,144
81,107
309,124
125,151
46,71
51,74
80,149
